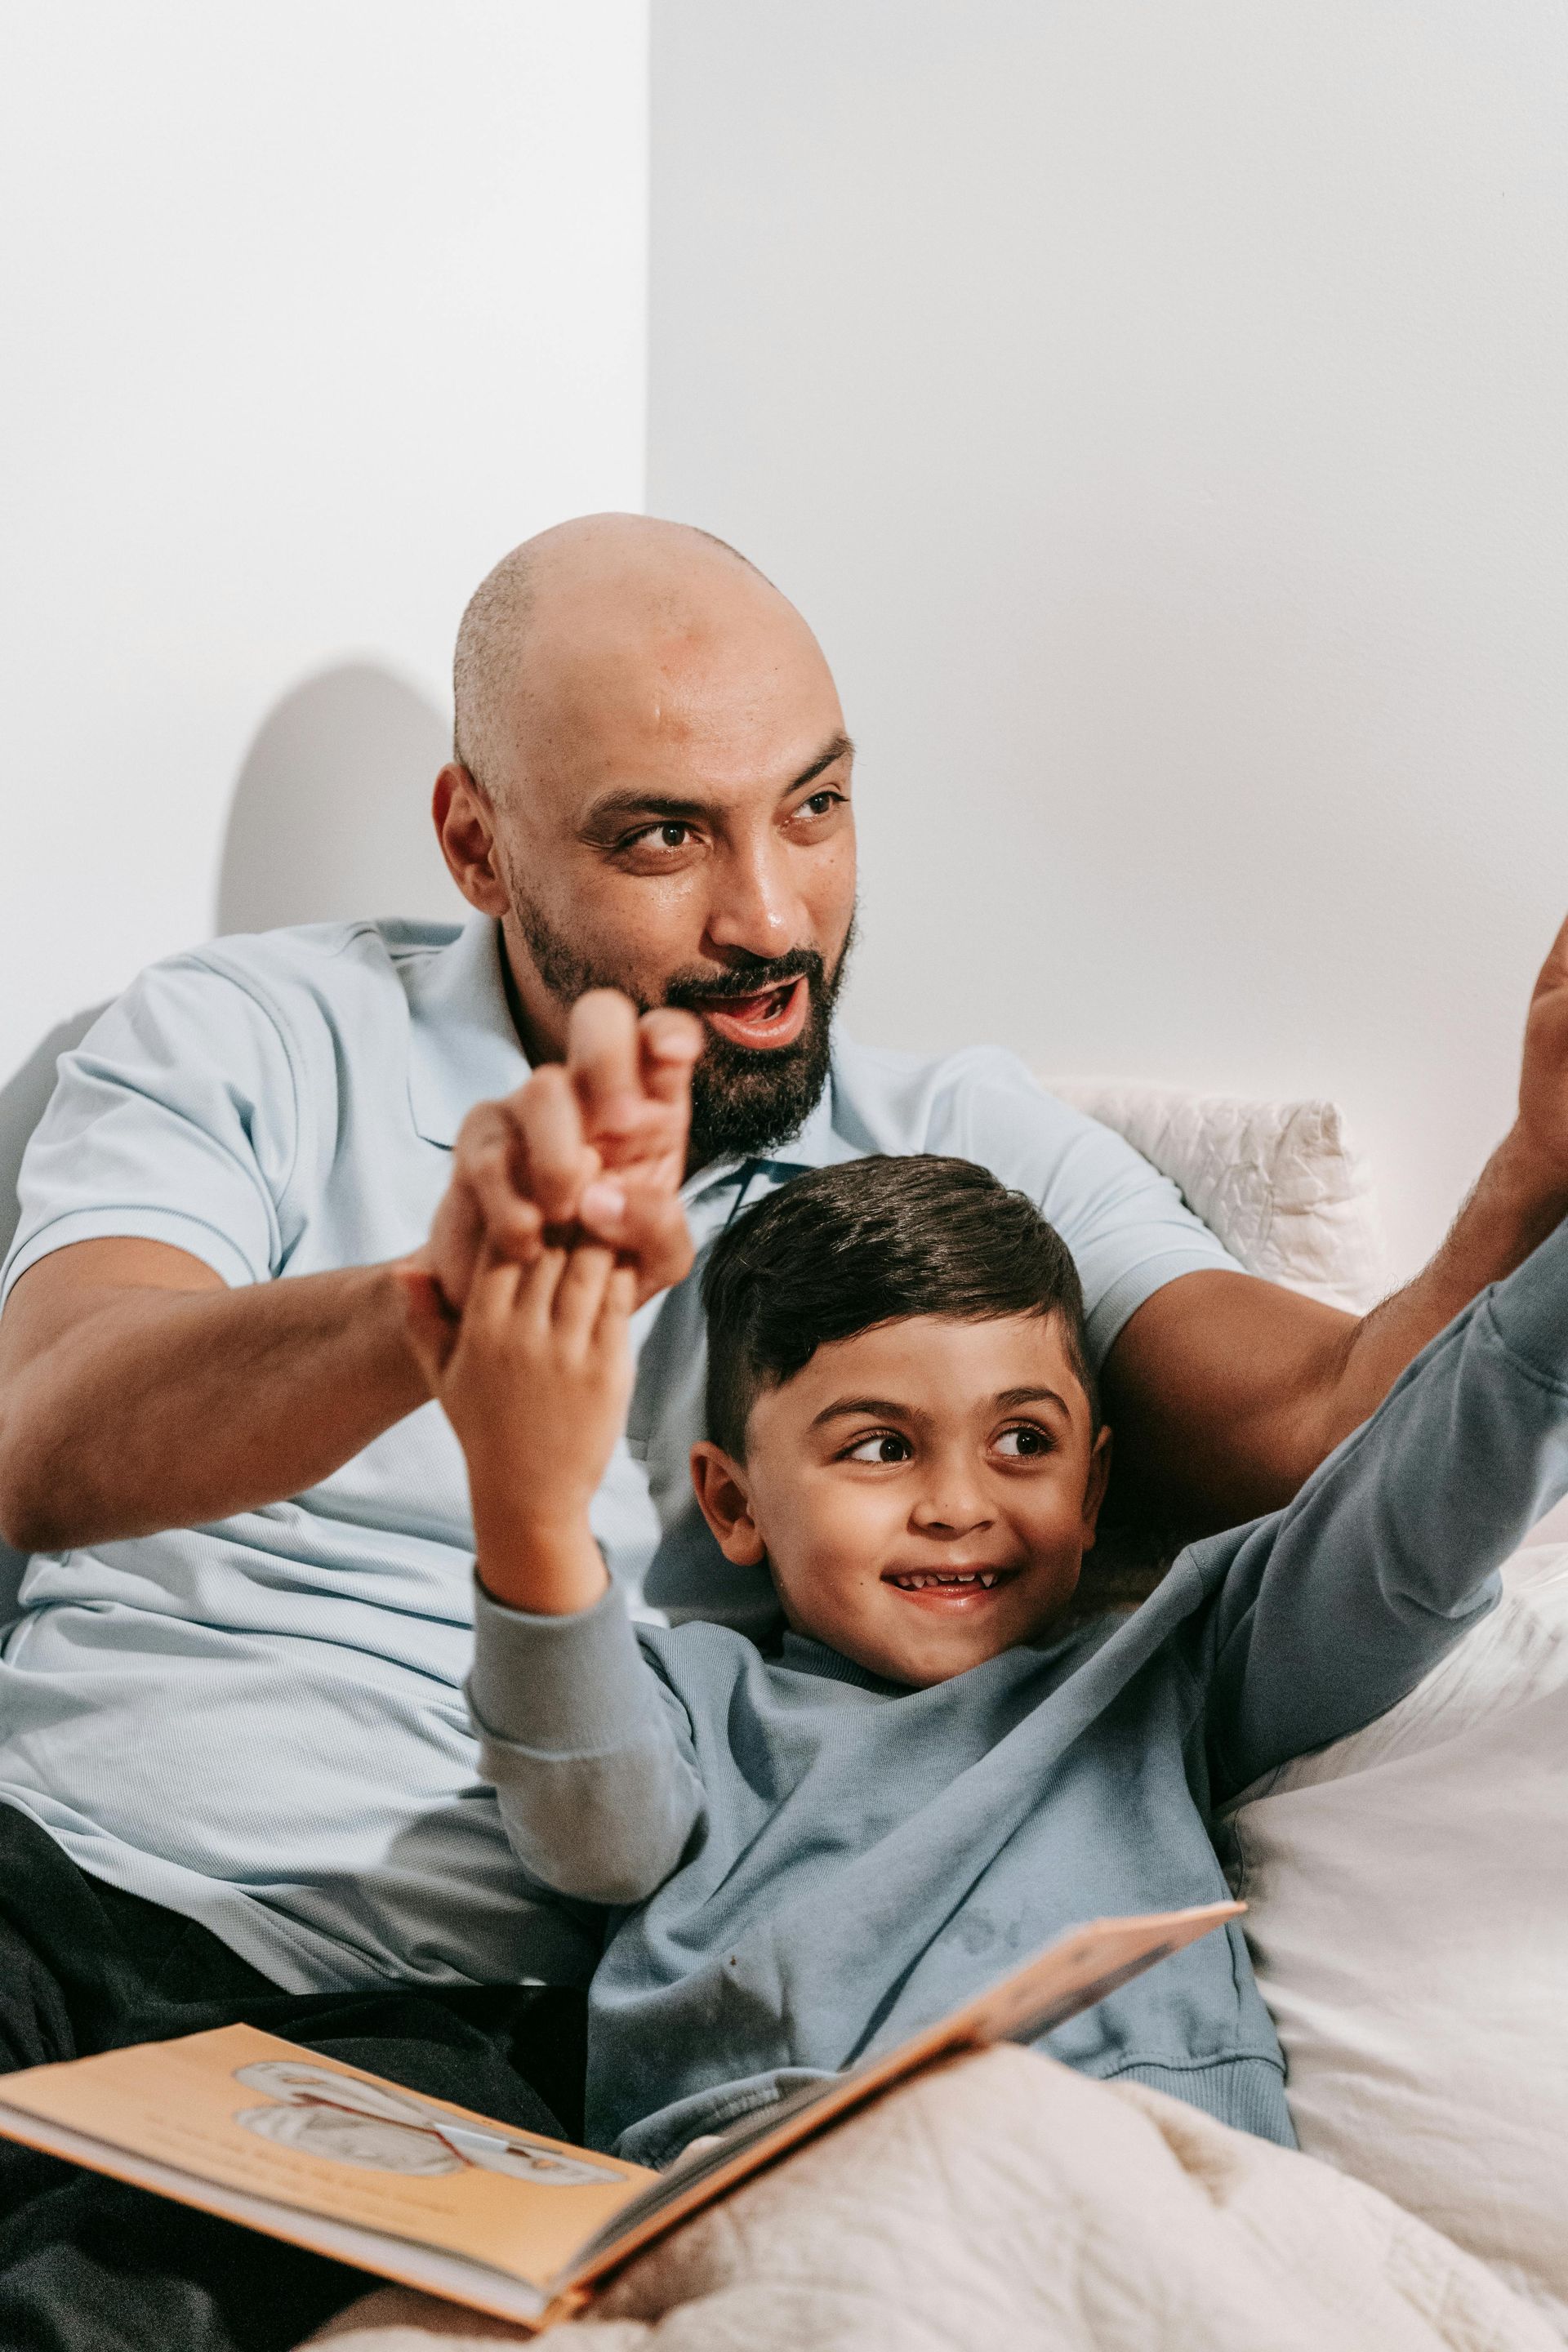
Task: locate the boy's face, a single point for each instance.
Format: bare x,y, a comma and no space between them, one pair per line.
923,1493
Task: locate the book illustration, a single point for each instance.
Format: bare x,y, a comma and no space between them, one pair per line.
348,2121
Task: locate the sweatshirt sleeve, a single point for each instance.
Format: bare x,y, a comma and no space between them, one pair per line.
589,1751
1335,1607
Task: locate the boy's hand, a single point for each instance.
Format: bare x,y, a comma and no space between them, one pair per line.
536,1384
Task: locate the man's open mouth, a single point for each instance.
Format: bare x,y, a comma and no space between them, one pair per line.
770,1017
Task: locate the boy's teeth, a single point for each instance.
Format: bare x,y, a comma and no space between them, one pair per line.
916,1584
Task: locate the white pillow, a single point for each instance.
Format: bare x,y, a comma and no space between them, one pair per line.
1278,1183
1409,1922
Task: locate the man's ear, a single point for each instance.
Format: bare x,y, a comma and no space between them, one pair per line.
1094,1485
465,827
720,1486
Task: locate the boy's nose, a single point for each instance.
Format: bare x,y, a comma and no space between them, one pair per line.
948,1516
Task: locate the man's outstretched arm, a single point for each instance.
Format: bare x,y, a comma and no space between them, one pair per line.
1226,1392
138,1391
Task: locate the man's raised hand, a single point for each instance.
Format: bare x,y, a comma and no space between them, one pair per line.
1543,1127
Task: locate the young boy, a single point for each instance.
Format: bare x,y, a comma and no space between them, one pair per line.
799,1857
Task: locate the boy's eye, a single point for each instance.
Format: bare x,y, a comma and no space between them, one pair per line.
1025,1443
887,1445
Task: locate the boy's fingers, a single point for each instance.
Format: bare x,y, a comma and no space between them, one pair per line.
493,1293
581,1294
557,1159
536,1291
620,1302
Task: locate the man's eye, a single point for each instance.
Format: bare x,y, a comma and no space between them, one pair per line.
820,803
1025,1443
885,1447
672,834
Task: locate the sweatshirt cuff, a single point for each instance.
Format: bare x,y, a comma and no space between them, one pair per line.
571,1686
1530,1310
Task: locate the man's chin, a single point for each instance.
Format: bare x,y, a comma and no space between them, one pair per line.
746,1100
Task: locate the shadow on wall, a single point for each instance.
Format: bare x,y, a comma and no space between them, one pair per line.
330,816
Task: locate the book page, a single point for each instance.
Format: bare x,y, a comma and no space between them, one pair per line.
249,2114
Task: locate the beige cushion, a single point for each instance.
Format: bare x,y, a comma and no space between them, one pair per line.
1279,1184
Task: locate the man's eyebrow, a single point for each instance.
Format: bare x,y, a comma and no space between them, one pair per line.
661,808
861,1408
1007,1398
840,747
658,808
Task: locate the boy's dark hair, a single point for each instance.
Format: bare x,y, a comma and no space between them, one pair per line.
872,1240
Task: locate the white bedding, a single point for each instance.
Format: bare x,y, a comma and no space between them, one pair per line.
1409,1924
1008,2203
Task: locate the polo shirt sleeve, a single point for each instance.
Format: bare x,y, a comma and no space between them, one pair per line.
174,1120
1128,1227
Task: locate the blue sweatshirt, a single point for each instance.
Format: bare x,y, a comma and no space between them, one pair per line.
794,1863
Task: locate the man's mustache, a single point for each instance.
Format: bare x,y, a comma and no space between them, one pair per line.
690,990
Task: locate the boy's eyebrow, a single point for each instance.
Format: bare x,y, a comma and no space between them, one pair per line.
880,1408
1007,1398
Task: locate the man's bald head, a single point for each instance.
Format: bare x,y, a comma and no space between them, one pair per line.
629,589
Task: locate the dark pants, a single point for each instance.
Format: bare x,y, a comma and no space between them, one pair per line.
88,2264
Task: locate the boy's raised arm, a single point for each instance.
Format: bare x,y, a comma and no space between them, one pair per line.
1333,1608
589,1752
587,1748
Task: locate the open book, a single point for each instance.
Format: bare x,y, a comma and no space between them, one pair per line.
263,2132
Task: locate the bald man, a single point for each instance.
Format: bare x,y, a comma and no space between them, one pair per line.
236,1763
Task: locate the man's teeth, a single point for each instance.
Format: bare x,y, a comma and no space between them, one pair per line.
985,1576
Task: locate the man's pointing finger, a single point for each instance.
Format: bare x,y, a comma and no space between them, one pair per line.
670,1043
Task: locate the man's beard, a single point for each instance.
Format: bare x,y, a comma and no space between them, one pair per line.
744,1099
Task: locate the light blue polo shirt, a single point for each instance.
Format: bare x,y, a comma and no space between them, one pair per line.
260,1723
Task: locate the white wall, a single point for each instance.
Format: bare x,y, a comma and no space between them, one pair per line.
312,308
1159,407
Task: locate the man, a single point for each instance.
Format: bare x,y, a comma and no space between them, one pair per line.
232,1733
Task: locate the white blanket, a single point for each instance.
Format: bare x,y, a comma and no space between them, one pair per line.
1005,2203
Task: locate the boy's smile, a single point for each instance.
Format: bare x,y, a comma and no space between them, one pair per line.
924,1492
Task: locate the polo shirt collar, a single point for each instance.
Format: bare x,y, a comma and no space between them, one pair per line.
463,1046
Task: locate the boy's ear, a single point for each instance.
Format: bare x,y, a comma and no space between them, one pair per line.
1095,1485
721,1490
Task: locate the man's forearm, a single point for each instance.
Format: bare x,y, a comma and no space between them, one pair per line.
158,1408
1226,1391
1514,1206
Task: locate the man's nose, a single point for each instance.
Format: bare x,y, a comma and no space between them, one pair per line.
754,907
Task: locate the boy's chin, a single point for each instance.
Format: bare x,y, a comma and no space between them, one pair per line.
920,1641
